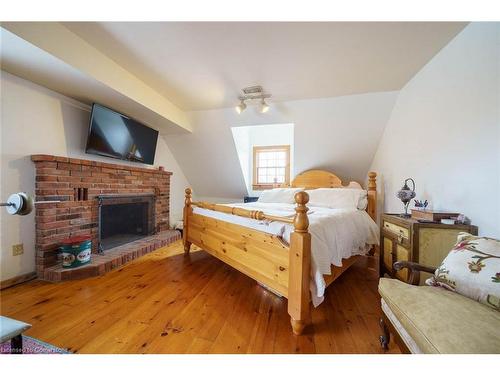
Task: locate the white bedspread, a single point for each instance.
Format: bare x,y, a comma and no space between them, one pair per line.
335,234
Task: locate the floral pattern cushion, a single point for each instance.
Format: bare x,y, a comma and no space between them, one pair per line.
472,268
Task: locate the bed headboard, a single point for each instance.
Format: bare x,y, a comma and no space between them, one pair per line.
317,178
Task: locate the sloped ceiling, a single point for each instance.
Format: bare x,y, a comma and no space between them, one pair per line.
203,65
49,54
338,134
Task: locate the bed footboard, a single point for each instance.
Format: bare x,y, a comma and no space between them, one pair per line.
261,256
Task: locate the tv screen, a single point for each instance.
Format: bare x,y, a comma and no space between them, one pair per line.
118,136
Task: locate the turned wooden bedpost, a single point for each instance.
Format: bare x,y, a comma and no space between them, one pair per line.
300,266
187,211
372,195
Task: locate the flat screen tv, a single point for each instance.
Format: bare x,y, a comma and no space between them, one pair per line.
117,136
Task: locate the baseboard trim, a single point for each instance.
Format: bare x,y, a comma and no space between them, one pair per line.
17,280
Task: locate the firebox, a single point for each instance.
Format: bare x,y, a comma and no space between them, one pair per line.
124,218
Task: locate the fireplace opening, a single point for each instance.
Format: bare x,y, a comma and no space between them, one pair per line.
124,218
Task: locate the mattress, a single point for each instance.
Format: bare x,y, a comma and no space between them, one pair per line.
336,234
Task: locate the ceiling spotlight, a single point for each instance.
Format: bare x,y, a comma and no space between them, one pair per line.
253,93
241,107
264,107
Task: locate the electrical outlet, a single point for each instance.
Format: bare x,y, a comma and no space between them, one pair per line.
17,249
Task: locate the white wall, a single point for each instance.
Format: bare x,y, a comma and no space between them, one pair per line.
241,138
340,134
35,120
498,114
444,131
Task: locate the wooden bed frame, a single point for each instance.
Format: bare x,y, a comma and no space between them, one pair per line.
267,258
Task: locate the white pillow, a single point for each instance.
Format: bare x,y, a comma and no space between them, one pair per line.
338,198
279,195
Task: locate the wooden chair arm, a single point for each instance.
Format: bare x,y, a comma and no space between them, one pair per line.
414,269
413,266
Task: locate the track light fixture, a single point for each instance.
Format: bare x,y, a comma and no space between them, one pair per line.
241,107
253,93
264,107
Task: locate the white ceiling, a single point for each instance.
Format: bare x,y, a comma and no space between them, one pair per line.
204,65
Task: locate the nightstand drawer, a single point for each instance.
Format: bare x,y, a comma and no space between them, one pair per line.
396,237
397,230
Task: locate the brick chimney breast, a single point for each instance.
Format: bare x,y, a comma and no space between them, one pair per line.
75,184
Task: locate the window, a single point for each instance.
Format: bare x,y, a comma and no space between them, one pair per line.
271,166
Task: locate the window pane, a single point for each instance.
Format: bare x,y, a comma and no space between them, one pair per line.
270,166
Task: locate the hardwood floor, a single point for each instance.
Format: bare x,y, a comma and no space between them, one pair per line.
165,302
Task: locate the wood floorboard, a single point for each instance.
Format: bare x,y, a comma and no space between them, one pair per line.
165,302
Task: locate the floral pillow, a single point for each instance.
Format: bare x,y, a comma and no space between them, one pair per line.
472,268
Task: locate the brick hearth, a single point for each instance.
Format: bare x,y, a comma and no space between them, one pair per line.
75,184
113,258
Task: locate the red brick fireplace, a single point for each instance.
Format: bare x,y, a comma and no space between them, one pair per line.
74,186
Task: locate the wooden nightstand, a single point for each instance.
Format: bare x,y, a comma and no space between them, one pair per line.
424,243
